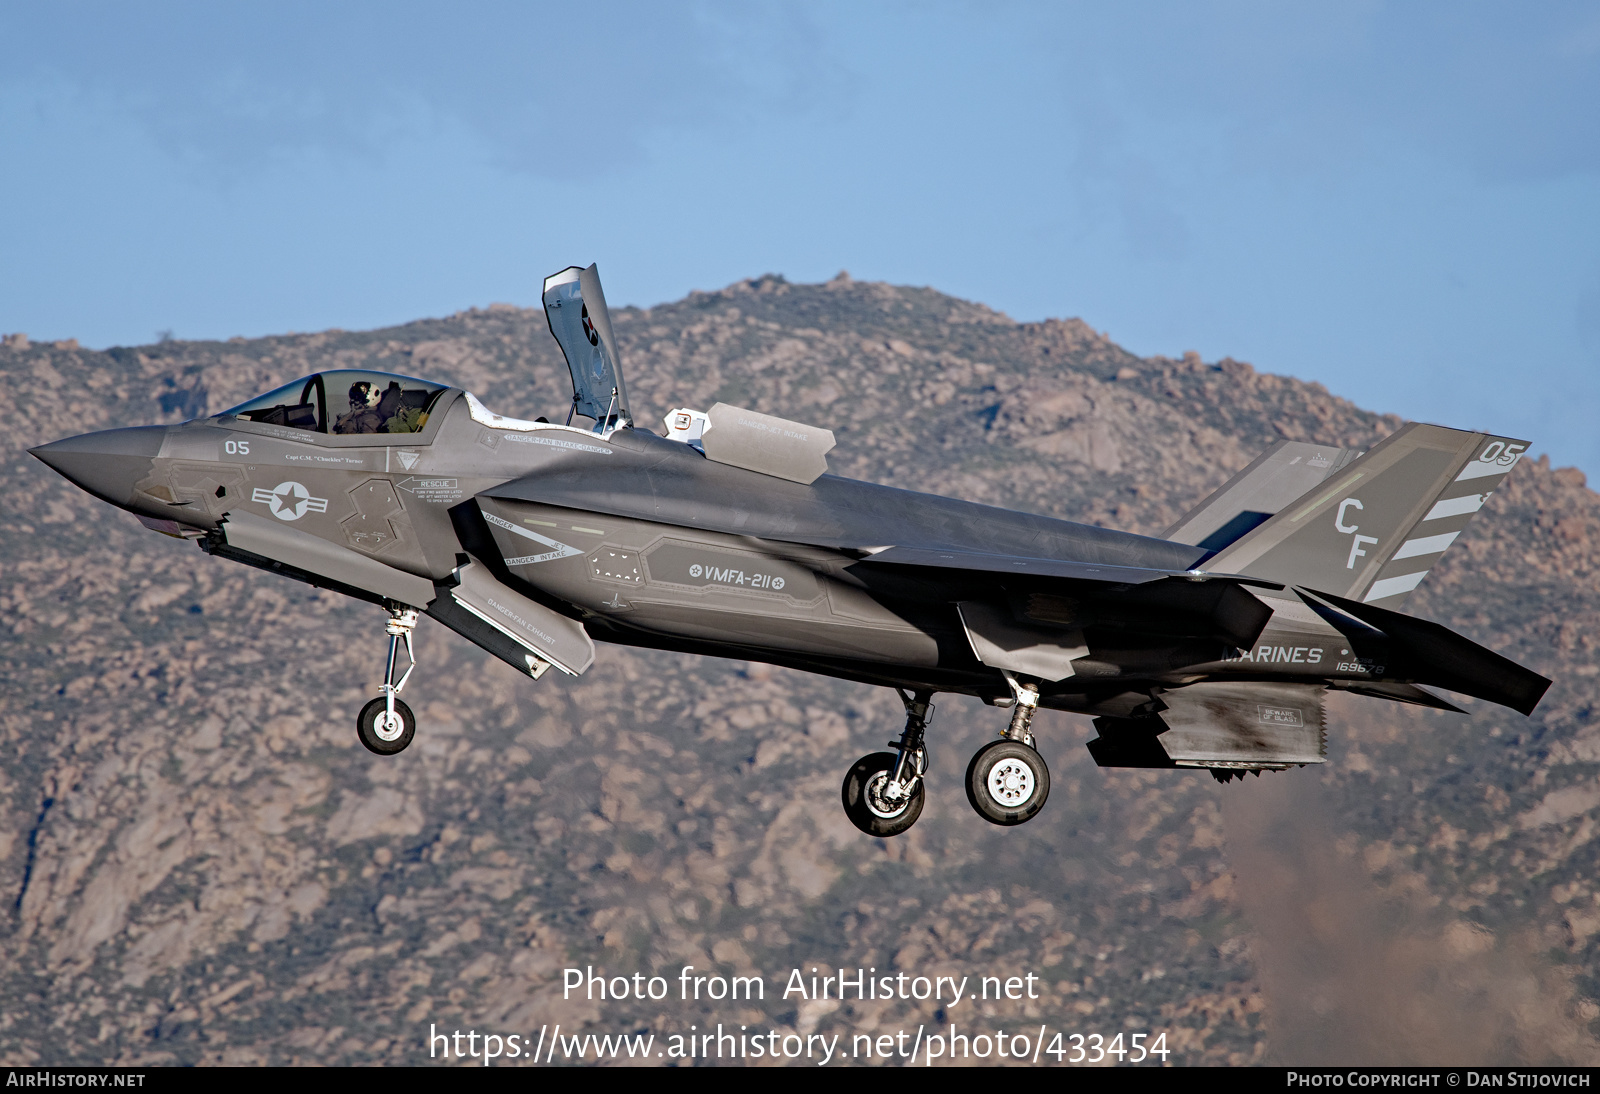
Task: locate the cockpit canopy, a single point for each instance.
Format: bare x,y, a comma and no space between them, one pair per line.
345,401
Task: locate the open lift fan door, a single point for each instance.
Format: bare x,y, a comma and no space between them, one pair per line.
575,307
554,638
1219,724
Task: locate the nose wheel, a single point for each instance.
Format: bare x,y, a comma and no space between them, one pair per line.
386,731
1007,781
386,725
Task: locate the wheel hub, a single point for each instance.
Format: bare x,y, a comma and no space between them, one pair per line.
389,726
1011,783
878,800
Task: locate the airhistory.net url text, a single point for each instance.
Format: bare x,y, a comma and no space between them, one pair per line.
912,1046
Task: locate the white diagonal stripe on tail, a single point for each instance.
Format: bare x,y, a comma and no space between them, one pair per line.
1477,469
1393,586
1428,545
1454,507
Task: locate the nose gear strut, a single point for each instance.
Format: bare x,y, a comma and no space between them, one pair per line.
386,725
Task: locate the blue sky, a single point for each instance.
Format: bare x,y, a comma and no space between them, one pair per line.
1399,200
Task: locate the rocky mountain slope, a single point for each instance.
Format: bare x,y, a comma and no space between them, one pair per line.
198,862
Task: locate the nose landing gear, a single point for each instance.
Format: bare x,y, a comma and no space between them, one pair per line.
883,792
386,725
1007,781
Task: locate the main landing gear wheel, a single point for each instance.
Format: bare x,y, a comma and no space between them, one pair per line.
883,792
867,802
1007,782
382,732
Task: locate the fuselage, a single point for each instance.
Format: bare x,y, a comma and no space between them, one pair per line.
728,537
649,543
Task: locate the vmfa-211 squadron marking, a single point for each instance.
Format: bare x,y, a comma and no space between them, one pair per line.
1211,647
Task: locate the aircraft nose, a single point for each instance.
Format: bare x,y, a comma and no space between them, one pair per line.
106,464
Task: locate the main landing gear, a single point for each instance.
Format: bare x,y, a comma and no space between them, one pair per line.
883,792
1007,781
386,725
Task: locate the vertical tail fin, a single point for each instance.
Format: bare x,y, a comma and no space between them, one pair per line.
1275,478
1371,531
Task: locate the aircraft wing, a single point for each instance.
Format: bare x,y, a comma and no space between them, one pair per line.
1047,567
1028,615
643,477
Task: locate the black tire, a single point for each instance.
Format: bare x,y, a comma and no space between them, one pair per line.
866,810
368,722
1007,782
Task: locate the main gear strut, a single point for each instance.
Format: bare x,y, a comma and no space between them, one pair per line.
1007,781
1025,701
883,792
912,763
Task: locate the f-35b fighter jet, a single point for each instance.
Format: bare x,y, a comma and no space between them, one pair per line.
1211,647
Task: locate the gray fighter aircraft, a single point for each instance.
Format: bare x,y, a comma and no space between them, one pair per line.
1212,647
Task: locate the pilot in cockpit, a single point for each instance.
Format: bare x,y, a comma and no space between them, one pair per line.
377,403
363,415
370,409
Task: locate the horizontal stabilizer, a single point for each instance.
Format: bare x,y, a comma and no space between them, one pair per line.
1396,692
1437,655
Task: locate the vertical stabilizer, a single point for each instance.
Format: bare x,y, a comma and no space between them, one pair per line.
1373,529
576,310
1275,478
